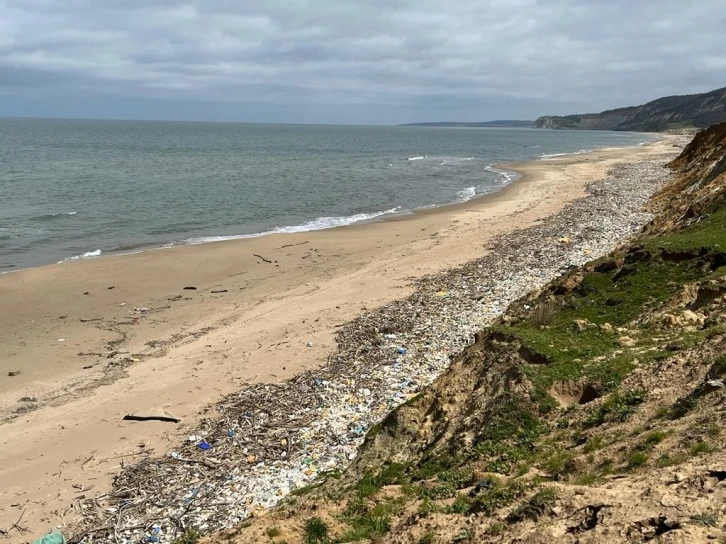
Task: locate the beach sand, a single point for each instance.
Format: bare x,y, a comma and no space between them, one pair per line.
263,309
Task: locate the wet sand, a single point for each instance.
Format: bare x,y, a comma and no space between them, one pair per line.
139,341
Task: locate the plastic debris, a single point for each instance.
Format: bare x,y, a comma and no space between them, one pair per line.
289,433
205,446
52,538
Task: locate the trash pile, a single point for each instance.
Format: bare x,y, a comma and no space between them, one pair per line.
262,443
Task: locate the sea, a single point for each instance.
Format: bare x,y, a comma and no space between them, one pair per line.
83,189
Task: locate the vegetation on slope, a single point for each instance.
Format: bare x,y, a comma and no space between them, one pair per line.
593,410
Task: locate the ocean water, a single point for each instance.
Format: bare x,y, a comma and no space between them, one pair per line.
73,189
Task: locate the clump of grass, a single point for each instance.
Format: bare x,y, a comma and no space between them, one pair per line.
428,506
496,528
461,505
536,506
189,536
498,496
316,531
713,430
618,407
435,491
637,459
459,478
429,537
509,436
708,519
369,521
594,443
465,535
272,532
556,465
668,460
371,483
433,466
589,478
701,447
653,439
606,465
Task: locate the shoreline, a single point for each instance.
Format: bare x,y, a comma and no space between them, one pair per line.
260,335
511,177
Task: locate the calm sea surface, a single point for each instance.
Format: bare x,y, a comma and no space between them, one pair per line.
79,189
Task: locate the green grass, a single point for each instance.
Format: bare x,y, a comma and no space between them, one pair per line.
189,536
434,491
316,531
669,460
509,437
618,407
461,505
594,443
459,478
708,234
707,519
371,483
651,440
369,520
589,478
428,506
429,537
649,277
638,458
556,465
272,532
433,465
535,507
499,495
701,447
496,528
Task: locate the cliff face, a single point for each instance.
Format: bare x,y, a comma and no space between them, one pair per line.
672,112
593,411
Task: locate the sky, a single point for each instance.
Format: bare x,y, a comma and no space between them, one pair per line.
364,62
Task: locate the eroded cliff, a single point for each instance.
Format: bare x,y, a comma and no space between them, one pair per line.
671,112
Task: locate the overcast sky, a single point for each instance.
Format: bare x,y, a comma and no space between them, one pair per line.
337,61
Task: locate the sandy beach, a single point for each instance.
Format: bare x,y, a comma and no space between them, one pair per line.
174,330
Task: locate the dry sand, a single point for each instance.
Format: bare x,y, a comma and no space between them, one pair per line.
247,320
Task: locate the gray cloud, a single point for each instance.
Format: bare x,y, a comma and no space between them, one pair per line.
380,61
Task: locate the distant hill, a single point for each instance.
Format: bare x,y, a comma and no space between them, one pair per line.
501,124
671,112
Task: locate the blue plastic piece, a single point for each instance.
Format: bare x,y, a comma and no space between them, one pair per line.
52,538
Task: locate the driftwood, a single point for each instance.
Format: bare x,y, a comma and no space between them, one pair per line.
152,417
262,258
293,245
